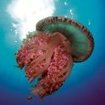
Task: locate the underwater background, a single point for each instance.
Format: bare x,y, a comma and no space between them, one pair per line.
86,83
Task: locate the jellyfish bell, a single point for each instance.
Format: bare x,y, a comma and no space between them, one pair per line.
82,42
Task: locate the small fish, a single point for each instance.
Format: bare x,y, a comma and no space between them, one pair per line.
29,97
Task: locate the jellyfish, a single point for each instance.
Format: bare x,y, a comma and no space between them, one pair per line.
48,53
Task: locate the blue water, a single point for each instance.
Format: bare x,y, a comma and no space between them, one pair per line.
85,85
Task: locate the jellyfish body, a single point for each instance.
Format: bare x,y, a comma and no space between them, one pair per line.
49,52
80,37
